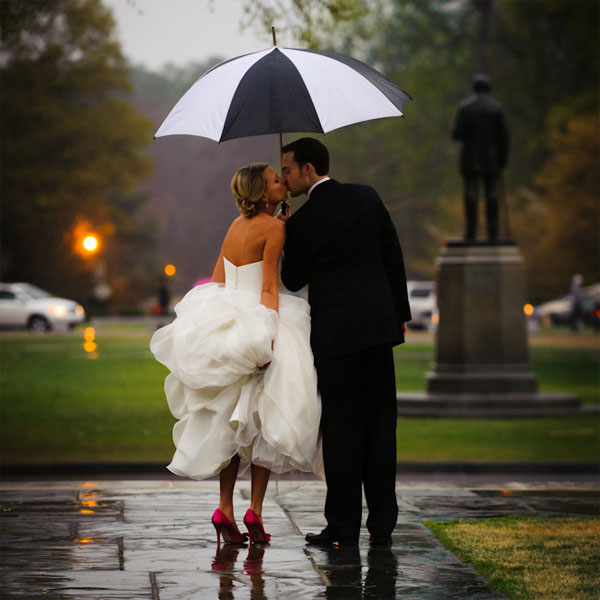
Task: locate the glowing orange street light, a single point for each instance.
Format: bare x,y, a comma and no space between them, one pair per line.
528,309
90,243
170,270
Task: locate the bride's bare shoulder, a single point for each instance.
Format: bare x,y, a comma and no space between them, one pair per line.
272,224
236,224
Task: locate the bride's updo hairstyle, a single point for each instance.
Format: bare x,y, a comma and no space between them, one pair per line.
249,186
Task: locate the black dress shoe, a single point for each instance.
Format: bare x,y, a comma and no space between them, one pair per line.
320,539
326,538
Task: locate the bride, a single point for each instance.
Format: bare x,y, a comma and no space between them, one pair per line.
242,382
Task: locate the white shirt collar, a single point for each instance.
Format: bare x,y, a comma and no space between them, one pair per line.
315,185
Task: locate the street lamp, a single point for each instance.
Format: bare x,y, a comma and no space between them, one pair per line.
90,243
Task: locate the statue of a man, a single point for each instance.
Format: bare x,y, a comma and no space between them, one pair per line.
481,127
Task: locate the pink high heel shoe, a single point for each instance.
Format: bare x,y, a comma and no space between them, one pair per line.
256,530
226,528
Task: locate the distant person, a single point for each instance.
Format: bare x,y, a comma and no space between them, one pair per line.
576,316
343,245
480,126
242,383
163,296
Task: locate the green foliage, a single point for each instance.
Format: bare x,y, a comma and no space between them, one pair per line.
73,147
567,206
553,105
312,22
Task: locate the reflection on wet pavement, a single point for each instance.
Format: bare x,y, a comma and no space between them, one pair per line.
154,539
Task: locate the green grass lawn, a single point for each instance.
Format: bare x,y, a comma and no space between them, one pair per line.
61,404
529,558
561,365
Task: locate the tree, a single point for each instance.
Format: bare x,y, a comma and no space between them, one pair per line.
73,147
314,23
549,78
568,212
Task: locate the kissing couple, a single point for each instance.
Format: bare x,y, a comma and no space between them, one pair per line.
262,377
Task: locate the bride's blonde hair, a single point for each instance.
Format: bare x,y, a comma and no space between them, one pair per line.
249,186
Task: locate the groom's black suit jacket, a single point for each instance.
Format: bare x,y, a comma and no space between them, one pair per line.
343,244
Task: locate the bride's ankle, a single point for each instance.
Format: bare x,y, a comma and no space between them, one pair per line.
228,512
257,512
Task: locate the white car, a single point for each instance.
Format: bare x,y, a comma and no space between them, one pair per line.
25,305
423,305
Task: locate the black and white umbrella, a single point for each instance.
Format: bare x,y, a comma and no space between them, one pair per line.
282,90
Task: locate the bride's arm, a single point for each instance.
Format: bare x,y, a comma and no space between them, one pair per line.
275,238
218,275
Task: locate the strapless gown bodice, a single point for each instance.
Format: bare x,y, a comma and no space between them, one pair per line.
245,277
242,378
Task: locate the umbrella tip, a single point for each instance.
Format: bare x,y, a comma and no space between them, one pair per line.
274,36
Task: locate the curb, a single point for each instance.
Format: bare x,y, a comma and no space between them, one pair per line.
493,468
413,467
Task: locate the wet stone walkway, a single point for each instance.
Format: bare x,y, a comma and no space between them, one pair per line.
153,539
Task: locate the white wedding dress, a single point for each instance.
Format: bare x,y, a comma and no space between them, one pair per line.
225,399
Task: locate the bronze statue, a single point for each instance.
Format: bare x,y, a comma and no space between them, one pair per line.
481,127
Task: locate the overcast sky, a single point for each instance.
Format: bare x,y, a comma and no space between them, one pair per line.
156,32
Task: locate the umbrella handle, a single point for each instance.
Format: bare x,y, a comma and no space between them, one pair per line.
284,204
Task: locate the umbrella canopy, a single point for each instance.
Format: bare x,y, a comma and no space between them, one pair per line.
282,90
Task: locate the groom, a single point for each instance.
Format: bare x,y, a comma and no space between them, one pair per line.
342,243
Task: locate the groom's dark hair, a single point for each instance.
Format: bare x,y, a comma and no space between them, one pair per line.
309,150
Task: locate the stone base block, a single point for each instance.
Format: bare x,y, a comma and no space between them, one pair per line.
492,406
504,379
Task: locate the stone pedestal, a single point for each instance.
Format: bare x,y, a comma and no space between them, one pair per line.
481,338
481,362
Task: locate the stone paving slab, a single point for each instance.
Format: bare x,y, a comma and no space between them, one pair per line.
118,585
153,539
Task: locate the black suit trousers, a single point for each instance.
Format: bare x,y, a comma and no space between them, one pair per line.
358,424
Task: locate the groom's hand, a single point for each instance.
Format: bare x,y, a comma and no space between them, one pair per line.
283,217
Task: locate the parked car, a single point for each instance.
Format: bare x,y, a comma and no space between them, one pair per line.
23,305
423,305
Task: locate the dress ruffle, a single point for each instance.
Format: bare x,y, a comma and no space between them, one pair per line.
231,392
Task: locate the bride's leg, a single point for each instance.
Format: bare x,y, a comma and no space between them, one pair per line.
227,479
260,480
253,518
